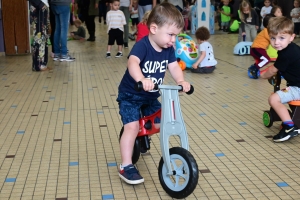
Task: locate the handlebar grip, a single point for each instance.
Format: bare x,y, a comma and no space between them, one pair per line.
139,86
191,90
188,92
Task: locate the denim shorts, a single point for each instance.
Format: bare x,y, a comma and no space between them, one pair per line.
131,106
291,93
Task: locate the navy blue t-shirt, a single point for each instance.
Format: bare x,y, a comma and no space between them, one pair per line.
153,65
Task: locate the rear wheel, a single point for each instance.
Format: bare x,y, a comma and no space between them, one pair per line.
136,148
268,119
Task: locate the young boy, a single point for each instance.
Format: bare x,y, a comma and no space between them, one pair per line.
295,14
148,61
225,16
259,48
206,62
281,31
80,33
115,20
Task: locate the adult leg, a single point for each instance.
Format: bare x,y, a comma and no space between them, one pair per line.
64,13
57,33
52,24
125,10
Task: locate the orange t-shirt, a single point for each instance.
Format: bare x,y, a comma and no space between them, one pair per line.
262,40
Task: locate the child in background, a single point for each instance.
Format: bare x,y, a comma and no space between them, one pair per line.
115,20
295,14
281,32
80,33
259,48
134,16
249,21
265,10
142,27
225,16
165,22
206,62
276,11
186,14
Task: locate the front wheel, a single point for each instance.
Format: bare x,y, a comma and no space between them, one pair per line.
185,175
136,151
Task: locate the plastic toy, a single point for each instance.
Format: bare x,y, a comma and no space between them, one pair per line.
186,49
177,171
270,116
181,64
242,48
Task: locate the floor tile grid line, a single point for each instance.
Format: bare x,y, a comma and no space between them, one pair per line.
15,162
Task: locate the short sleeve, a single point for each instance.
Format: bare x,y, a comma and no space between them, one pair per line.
139,50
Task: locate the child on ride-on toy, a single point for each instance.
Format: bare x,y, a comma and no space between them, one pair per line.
148,61
259,49
281,31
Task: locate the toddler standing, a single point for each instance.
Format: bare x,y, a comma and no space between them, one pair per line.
225,16
186,14
295,14
206,62
115,20
265,10
249,21
134,16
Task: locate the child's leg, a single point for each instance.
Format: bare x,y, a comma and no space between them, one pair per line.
120,47
276,100
260,56
127,141
280,109
108,48
186,24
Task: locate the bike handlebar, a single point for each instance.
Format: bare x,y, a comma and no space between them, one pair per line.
139,87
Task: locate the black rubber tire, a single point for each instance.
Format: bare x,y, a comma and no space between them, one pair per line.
136,148
267,119
190,168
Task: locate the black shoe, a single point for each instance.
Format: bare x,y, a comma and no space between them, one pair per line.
125,45
107,55
131,37
104,22
99,19
119,54
287,132
91,39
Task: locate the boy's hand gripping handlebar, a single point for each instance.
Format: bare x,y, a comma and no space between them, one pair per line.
139,87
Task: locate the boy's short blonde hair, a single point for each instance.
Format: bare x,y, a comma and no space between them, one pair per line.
165,14
78,22
281,25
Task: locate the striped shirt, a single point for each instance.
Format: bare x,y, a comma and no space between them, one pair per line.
115,19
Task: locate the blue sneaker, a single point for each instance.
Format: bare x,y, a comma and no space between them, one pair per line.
130,175
253,72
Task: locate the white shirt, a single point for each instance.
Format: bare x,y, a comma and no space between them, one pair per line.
46,2
295,11
265,10
115,19
209,59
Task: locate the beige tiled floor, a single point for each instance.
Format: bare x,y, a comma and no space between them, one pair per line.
59,130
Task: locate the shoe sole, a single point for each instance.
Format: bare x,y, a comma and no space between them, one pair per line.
131,182
62,60
118,56
55,59
286,137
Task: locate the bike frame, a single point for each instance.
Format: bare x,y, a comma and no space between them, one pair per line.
172,123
